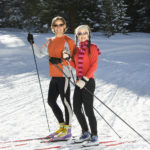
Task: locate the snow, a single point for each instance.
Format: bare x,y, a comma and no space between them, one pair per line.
122,83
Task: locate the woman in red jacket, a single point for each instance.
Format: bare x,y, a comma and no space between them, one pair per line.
85,62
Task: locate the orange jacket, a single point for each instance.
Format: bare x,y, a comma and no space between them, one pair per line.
56,46
89,62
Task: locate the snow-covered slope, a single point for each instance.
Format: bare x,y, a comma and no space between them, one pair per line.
122,83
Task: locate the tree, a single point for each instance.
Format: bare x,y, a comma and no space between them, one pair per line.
89,13
31,11
107,17
143,13
11,15
120,16
110,16
132,13
114,17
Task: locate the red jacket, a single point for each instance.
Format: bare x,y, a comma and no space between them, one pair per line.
89,62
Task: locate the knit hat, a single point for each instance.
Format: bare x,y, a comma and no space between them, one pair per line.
85,27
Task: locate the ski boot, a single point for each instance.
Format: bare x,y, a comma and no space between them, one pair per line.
92,142
64,135
84,137
61,128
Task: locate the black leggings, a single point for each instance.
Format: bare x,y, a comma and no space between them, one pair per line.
60,85
81,96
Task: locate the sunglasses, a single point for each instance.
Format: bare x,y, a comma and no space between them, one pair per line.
84,33
58,25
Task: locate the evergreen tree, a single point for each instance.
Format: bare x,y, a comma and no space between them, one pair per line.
75,12
132,13
120,17
147,16
52,8
31,19
89,13
15,15
114,17
2,13
11,15
143,13
48,10
139,10
70,9
107,17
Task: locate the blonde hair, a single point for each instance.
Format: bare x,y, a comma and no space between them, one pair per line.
55,19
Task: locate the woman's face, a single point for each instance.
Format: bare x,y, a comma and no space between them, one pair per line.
82,35
59,27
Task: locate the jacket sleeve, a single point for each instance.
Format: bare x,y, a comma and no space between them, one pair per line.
94,61
41,52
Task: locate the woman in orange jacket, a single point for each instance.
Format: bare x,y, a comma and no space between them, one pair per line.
59,84
85,61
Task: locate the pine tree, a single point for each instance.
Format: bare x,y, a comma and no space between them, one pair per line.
31,19
114,17
15,15
76,12
143,13
2,13
107,17
11,15
147,16
132,13
120,17
52,8
89,13
138,10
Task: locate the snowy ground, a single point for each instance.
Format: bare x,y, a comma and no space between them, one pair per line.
122,79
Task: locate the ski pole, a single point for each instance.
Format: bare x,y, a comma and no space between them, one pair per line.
106,121
119,117
93,106
109,109
82,107
71,71
40,86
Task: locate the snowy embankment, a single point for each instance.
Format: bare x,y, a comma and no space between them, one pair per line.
122,83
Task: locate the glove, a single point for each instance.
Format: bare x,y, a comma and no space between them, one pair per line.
55,60
30,38
66,56
82,82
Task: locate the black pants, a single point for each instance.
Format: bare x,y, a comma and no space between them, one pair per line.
81,96
60,86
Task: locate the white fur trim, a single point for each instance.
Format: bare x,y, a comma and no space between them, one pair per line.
85,78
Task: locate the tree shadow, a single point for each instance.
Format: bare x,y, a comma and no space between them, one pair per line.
129,69
123,65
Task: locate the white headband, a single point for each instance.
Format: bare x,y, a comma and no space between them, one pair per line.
85,27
